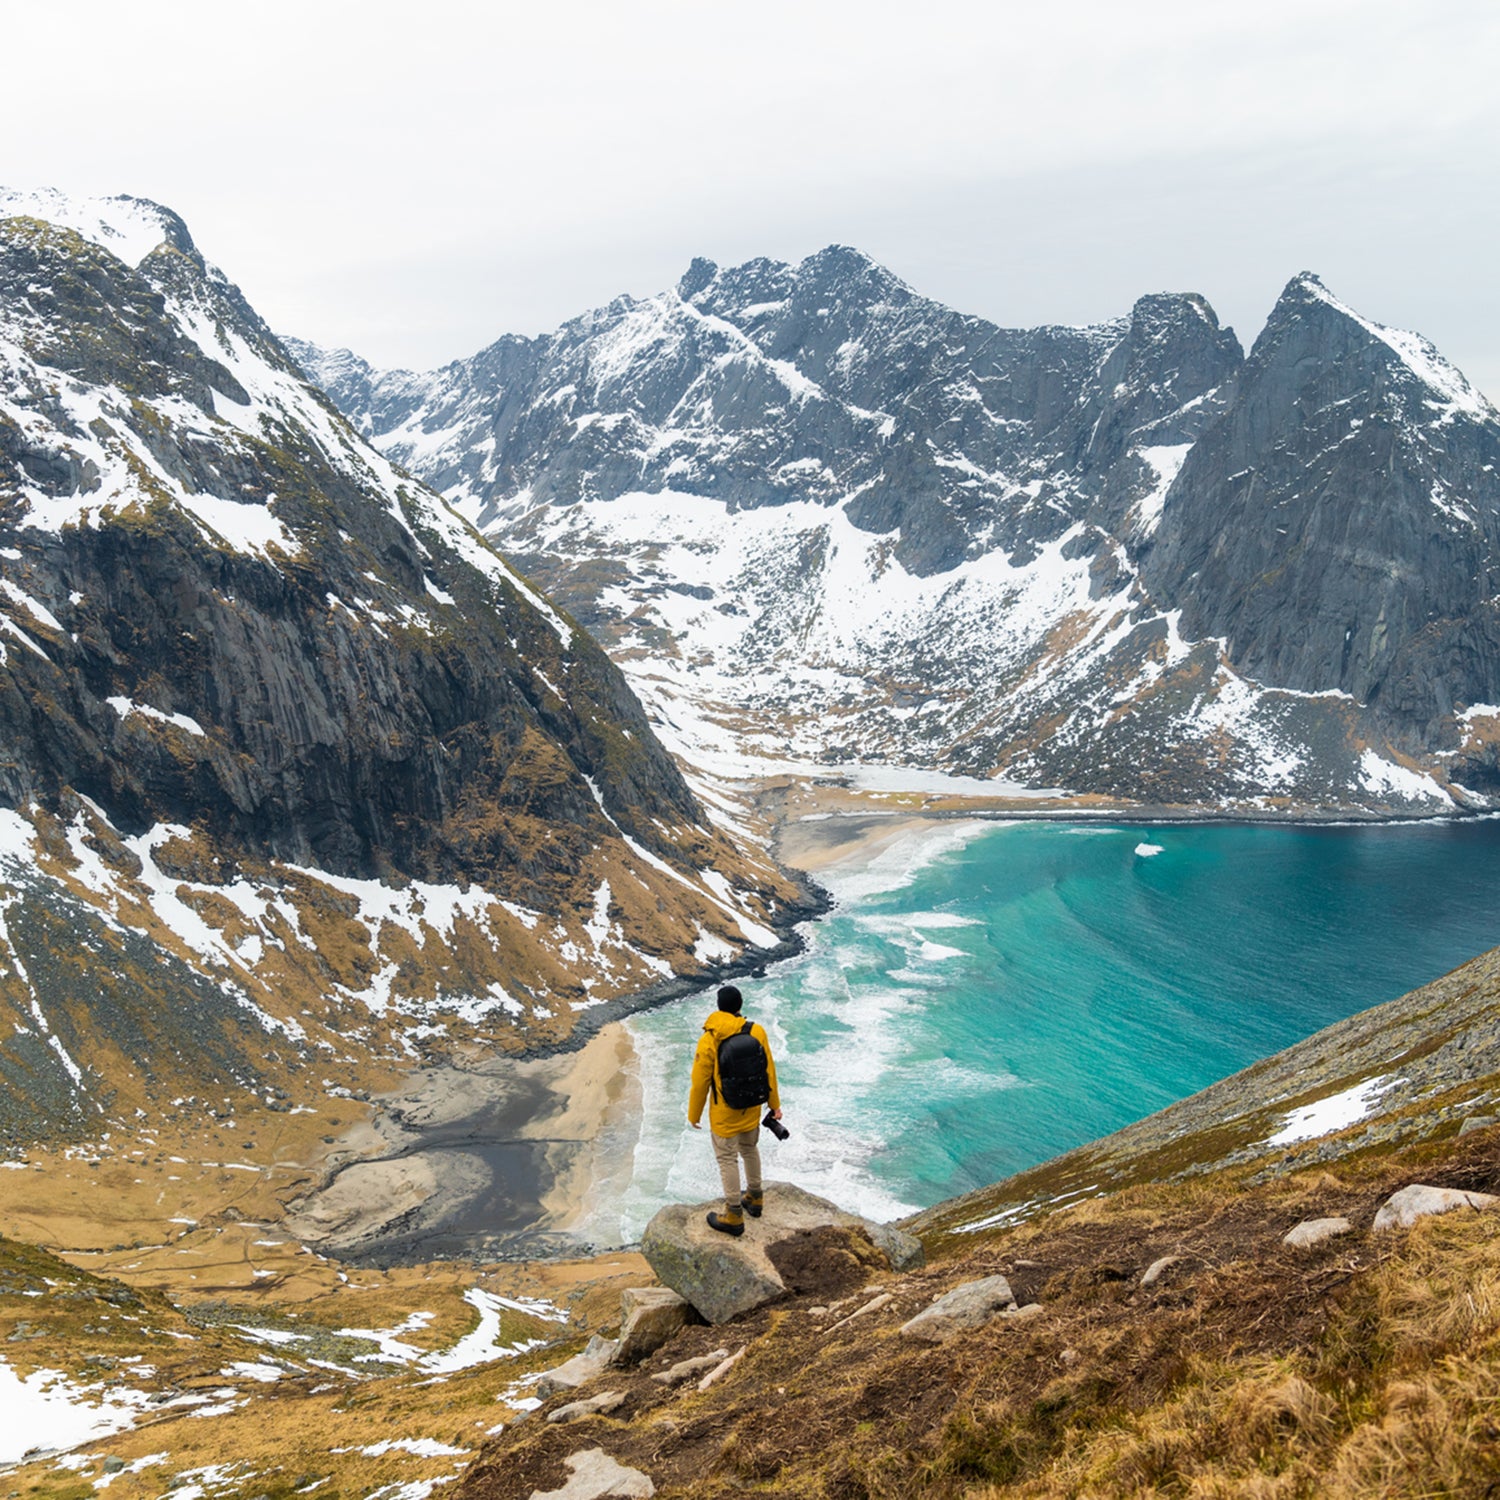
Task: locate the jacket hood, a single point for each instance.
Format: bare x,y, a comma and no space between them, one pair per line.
721,1025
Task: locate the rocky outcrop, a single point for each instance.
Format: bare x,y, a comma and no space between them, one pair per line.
723,1277
650,1316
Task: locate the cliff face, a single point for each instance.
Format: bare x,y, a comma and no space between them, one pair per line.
267,703
855,525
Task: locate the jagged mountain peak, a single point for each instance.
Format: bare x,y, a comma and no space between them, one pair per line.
1348,336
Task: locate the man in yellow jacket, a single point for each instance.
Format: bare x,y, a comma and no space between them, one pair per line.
735,1130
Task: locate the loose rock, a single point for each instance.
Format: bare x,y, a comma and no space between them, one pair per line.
649,1317
1477,1122
1315,1231
579,1370
968,1306
604,1402
1158,1268
597,1476
685,1369
724,1277
1418,1201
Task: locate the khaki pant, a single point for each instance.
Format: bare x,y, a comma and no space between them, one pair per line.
729,1151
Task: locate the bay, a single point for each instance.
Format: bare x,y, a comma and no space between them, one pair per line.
986,996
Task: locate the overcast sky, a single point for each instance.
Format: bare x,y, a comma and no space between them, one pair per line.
414,180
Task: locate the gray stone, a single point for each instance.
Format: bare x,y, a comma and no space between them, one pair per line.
579,1370
592,1406
1315,1231
1477,1122
968,1306
685,1369
723,1277
650,1316
1159,1268
1405,1207
1024,1314
597,1476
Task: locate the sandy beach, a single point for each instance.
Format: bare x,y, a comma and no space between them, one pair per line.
510,1159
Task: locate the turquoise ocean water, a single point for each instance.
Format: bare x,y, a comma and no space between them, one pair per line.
984,997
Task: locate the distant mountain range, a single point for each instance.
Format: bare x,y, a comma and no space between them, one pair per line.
817,516
293,766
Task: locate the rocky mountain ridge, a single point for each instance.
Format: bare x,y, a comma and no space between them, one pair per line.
818,517
296,770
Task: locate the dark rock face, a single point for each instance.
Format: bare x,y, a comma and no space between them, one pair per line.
1115,558
1341,525
370,699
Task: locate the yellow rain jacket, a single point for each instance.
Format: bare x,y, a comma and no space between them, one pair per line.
721,1119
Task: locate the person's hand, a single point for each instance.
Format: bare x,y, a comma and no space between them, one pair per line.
776,1113
695,1125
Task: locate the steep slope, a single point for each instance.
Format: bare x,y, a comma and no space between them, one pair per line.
294,766
816,515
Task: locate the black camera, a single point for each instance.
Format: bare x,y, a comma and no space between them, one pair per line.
775,1126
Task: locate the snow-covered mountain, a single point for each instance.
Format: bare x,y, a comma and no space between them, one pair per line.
817,516
292,764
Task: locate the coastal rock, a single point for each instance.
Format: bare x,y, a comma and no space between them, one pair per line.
579,1370
597,1476
1404,1208
968,1306
592,1406
649,1317
1314,1231
723,1277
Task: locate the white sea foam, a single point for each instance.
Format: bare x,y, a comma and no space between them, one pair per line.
1148,851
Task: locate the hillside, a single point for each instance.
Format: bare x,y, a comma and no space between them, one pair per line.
301,784
1176,1345
817,516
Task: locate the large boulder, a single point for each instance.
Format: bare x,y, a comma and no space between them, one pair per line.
1405,1207
723,1276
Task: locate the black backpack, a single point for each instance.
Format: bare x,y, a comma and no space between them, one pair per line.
744,1071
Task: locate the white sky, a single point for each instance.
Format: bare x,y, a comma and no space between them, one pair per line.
414,180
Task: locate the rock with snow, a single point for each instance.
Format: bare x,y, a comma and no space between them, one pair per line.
649,1317
968,1306
1314,1231
597,1476
1404,1208
723,1277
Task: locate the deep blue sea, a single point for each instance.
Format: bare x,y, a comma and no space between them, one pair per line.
984,997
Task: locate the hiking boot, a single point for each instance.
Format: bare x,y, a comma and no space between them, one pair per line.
731,1221
753,1203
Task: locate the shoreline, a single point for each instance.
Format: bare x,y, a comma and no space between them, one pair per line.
511,1160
